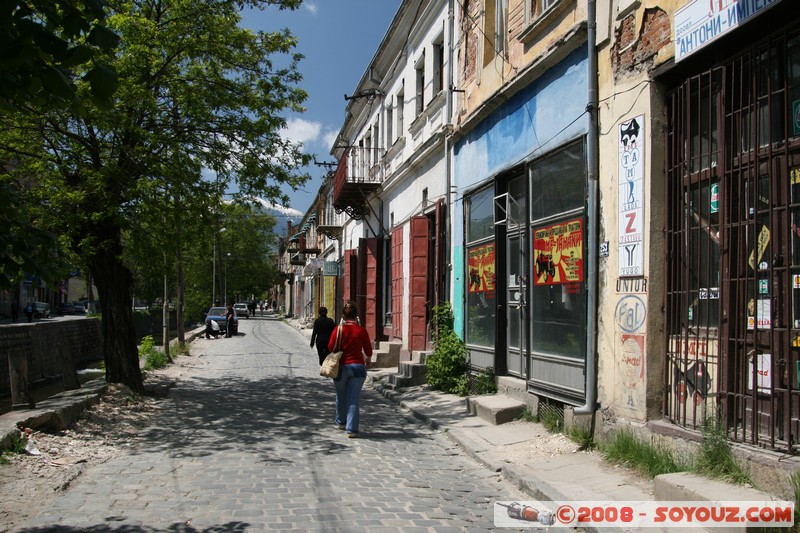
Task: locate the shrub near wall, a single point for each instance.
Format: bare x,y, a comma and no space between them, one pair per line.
46,343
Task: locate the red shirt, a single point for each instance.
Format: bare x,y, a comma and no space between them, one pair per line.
354,343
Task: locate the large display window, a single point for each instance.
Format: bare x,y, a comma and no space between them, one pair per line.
558,302
481,262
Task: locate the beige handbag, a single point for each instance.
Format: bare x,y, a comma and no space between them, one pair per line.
330,366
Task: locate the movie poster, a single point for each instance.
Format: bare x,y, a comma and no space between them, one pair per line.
481,269
558,253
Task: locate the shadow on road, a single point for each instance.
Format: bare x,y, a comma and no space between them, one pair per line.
230,527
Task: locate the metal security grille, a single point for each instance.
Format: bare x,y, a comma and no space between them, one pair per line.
733,237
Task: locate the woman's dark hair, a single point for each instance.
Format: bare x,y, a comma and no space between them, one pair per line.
323,311
350,310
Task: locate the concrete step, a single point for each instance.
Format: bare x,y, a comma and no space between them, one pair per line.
418,356
495,408
387,355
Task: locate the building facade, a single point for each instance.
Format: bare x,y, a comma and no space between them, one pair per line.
604,191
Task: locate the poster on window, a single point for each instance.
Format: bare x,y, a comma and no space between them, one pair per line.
481,269
631,197
558,253
763,372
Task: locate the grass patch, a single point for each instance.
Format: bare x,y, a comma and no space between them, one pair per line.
153,357
18,443
715,458
796,486
651,460
583,438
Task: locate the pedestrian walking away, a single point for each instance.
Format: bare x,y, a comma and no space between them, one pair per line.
321,334
229,321
356,357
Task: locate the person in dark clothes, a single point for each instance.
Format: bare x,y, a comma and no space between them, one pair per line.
321,334
229,321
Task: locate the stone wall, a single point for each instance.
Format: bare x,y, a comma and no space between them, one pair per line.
47,345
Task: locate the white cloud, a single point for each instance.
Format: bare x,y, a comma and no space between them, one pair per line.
329,138
302,131
311,6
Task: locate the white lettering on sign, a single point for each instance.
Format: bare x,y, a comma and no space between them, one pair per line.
700,22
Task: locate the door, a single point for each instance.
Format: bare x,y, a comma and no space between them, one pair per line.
516,307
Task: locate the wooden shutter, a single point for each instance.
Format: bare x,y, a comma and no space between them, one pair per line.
397,282
418,296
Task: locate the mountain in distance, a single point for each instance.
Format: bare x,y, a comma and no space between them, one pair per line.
282,215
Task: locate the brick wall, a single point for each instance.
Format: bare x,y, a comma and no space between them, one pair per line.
46,343
635,50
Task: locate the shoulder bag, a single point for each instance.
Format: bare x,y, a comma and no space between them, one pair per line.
330,366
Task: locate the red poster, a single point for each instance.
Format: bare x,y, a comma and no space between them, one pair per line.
481,268
558,253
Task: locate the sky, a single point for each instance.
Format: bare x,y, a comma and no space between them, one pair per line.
338,39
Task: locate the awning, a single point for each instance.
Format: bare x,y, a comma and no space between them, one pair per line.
295,237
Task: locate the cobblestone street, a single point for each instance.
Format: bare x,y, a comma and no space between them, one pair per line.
247,443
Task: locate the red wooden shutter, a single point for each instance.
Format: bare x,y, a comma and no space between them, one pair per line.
418,296
397,283
370,249
348,283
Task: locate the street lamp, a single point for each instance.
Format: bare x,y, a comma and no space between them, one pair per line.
214,266
225,276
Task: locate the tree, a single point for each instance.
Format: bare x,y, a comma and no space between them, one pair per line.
41,43
194,88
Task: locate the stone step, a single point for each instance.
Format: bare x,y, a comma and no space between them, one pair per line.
495,408
419,356
387,355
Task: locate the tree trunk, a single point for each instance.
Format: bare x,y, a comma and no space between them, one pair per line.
179,274
114,282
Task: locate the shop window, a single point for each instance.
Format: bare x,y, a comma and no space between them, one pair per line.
481,295
557,303
558,183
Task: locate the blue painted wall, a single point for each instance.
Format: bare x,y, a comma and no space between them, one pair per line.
544,115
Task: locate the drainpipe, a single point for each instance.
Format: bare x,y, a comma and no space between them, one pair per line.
592,164
447,134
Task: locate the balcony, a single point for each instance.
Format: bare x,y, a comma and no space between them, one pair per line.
298,259
357,176
330,223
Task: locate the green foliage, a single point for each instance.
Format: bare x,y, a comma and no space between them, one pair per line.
651,460
551,416
17,445
47,45
484,382
121,185
715,459
447,366
153,357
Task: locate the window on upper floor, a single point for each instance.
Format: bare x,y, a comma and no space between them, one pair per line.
537,8
494,29
398,110
419,69
389,125
438,65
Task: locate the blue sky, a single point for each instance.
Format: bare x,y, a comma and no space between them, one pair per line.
338,39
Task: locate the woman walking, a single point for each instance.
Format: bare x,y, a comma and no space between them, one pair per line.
356,357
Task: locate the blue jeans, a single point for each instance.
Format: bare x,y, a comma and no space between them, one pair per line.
348,391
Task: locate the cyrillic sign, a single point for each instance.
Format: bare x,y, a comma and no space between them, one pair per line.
700,22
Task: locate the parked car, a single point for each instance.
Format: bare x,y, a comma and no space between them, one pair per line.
217,314
66,309
41,310
241,310
80,309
